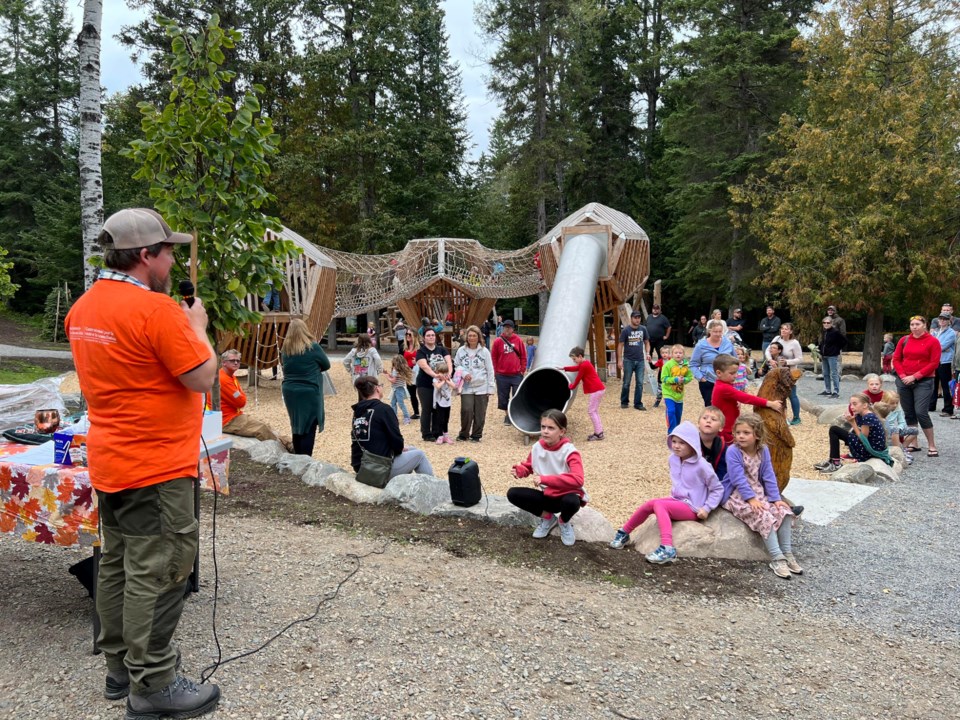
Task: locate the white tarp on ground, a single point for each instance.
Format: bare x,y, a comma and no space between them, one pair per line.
18,403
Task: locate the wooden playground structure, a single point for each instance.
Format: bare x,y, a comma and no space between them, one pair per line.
439,278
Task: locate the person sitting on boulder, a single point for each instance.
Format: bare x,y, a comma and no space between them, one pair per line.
866,438
376,430
232,401
558,482
751,495
694,493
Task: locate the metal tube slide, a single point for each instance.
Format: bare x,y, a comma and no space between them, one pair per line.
565,326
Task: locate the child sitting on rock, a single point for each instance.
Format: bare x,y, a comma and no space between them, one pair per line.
558,485
899,434
751,495
866,438
695,491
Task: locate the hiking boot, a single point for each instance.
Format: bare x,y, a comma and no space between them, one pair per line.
567,536
781,569
180,699
545,526
792,564
117,685
620,539
663,555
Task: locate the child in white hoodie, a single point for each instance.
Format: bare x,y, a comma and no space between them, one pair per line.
558,481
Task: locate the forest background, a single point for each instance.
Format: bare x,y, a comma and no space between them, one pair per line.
780,151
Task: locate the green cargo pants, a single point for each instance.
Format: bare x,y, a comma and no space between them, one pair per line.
150,539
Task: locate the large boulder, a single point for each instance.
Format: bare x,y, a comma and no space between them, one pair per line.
242,443
851,377
810,407
491,508
345,485
293,464
857,473
882,471
316,475
721,536
899,459
267,452
833,415
416,492
590,526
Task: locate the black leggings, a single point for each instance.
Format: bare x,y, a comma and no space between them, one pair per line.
536,503
838,434
303,444
414,400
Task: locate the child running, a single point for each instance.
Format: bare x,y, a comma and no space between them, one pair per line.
558,485
751,495
400,377
443,389
695,491
727,398
674,376
593,388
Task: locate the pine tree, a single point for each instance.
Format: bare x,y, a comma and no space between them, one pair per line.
861,210
738,74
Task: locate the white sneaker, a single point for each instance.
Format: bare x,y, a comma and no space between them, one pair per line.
545,526
567,536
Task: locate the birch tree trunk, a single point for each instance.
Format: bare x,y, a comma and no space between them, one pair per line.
91,180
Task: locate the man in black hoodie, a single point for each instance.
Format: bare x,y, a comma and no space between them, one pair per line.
376,430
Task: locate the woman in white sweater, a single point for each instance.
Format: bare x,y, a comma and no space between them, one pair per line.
793,355
475,368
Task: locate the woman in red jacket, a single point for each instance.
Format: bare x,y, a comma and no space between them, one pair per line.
915,361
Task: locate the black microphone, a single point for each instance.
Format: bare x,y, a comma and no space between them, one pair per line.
187,292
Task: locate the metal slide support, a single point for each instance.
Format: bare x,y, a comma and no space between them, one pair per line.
566,325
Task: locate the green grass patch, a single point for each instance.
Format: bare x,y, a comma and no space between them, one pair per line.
19,372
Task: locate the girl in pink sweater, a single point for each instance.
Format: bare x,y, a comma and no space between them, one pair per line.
557,471
593,388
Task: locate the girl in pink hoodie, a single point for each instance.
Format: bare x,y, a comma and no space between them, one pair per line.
557,471
695,492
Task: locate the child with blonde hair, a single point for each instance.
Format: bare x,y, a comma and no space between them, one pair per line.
443,389
695,491
751,495
400,376
899,434
874,389
887,353
674,378
744,375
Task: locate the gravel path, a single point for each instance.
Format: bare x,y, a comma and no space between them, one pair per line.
27,352
419,634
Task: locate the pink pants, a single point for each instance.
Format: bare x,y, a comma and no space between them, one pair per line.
666,509
593,410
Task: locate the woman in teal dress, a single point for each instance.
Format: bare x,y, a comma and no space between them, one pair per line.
303,361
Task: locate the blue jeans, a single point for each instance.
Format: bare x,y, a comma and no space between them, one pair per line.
631,368
399,398
831,374
794,402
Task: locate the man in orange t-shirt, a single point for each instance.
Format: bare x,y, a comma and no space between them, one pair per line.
232,401
143,364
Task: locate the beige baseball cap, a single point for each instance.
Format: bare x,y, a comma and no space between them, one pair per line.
137,228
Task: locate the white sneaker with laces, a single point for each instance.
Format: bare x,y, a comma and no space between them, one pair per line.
545,526
567,536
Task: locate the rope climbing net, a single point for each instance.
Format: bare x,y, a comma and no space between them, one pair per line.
367,283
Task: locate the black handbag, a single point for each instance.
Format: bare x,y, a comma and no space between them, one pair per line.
374,469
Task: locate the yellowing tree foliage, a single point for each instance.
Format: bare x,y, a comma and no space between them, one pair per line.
861,209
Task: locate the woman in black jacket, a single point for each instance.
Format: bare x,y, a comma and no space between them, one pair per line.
376,430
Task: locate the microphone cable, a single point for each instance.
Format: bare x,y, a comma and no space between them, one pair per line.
210,670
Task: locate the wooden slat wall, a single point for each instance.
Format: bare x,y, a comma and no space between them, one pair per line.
632,266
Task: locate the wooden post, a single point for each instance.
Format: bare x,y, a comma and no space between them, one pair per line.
657,287
600,345
193,260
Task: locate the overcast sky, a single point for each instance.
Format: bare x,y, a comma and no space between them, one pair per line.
466,48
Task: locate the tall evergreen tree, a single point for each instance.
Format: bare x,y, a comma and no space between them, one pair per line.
38,94
862,208
739,73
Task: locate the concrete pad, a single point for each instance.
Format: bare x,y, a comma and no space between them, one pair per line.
824,500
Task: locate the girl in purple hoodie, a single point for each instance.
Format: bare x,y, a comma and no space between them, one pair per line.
695,492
